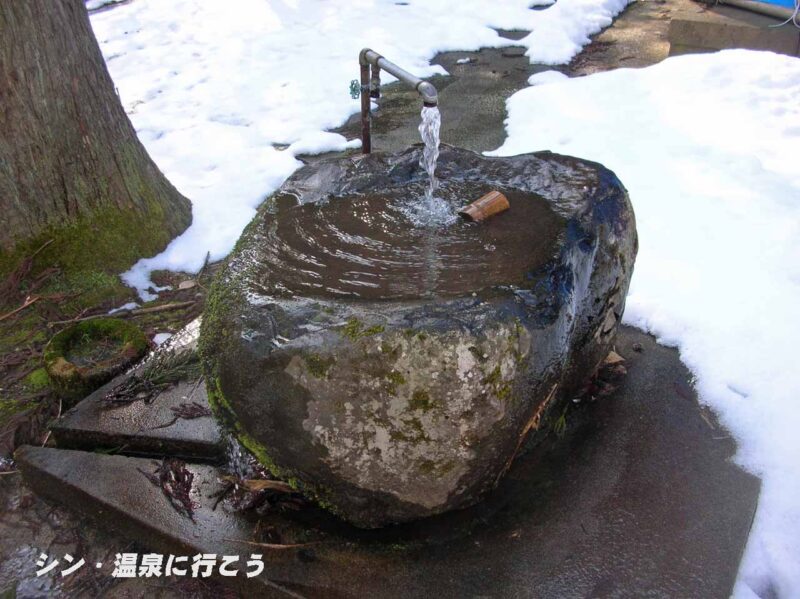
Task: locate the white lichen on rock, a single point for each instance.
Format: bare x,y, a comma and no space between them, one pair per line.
419,404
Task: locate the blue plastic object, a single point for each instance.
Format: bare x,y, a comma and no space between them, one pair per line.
786,3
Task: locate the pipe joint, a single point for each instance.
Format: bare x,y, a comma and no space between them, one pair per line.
430,96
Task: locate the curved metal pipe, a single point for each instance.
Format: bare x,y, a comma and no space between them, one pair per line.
371,88
426,90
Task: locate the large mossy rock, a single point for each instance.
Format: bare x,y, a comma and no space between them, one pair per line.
387,411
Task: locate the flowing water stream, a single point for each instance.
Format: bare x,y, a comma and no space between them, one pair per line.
434,211
429,131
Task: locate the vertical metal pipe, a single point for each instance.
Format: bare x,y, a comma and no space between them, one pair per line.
375,82
366,140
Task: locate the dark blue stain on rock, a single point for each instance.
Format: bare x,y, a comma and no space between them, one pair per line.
576,235
608,201
552,288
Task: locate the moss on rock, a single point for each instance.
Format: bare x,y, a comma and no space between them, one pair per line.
38,379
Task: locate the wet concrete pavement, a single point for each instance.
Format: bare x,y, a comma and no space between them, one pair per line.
139,427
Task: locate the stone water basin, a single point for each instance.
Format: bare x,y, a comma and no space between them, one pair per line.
392,370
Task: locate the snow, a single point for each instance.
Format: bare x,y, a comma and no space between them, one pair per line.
707,147
161,338
124,308
216,91
546,77
562,30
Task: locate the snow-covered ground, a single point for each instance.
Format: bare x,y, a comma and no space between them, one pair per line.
210,86
707,146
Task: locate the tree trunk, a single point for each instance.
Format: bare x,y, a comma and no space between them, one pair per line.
71,167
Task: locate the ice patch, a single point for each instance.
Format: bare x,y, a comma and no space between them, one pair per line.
704,145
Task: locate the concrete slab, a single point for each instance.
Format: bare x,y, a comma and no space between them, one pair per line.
638,498
112,490
726,27
142,428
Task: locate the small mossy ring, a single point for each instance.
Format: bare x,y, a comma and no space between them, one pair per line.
86,355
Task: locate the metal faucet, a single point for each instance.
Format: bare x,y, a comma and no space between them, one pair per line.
371,88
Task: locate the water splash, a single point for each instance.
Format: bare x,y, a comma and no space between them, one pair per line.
434,211
239,461
429,131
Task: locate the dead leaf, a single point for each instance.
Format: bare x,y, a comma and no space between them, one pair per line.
259,484
613,358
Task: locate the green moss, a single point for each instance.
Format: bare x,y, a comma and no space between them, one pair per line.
513,342
446,467
16,334
396,435
427,467
502,389
88,288
395,379
225,414
416,432
559,425
216,333
421,400
9,407
38,379
493,377
354,330
108,240
318,366
389,350
422,336
72,380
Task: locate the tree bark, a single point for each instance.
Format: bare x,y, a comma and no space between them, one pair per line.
71,166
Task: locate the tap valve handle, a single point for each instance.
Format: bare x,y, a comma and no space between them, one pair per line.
355,89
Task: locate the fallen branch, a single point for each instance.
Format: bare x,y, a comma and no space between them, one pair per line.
29,301
21,374
270,545
175,482
12,283
161,308
186,411
47,436
126,313
259,484
156,376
